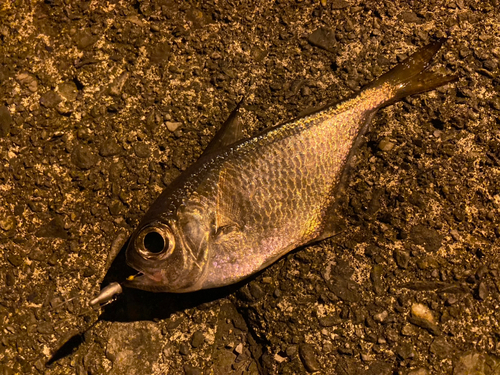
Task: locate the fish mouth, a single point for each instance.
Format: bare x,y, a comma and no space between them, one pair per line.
150,281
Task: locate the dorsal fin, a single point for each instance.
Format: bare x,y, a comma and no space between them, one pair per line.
230,132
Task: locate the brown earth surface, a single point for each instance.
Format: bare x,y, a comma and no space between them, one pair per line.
104,103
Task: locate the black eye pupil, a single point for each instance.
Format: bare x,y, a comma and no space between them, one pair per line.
154,242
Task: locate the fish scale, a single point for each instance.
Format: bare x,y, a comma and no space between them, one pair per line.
245,203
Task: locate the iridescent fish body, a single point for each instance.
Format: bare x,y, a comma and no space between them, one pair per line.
243,205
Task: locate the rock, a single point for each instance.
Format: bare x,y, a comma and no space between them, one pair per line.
376,278
402,258
405,350
477,364
85,39
52,229
197,339
346,290
133,347
308,357
190,370
385,145
482,290
83,157
115,88
142,150
323,38
109,148
68,91
8,223
441,348
328,321
429,238
419,371
173,126
5,121
422,316
50,99
256,290
380,317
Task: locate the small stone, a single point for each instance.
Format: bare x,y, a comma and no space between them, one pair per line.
441,348
190,370
173,126
50,99
380,317
52,229
328,321
419,371
385,145
85,39
8,223
308,357
323,38
346,290
291,351
5,121
405,350
376,278
239,348
184,349
473,363
279,358
109,148
197,339
84,157
142,150
402,258
421,316
482,290
421,311
68,91
15,259
408,330
429,238
116,87
256,290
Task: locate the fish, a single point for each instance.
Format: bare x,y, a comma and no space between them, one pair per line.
246,202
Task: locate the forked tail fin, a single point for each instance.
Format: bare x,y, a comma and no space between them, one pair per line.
410,76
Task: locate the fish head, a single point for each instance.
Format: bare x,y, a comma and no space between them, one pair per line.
170,253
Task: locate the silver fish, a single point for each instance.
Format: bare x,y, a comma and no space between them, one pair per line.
245,203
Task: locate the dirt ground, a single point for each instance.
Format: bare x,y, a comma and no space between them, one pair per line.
104,103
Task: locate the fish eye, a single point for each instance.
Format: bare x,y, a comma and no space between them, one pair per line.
155,241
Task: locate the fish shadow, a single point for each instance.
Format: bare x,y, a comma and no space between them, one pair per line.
137,305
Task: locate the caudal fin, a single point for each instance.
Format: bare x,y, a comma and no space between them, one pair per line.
410,76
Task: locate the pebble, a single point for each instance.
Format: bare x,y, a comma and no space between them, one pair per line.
197,339
441,348
308,357
256,290
482,290
323,38
405,350
429,238
385,145
422,316
5,121
476,363
190,370
84,157
376,278
109,148
50,99
173,126
402,258
68,91
419,371
52,229
380,317
142,150
8,223
345,289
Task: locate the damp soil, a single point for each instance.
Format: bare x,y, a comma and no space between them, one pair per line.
103,104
